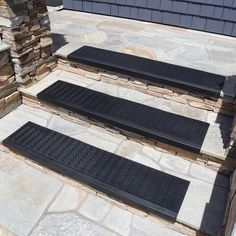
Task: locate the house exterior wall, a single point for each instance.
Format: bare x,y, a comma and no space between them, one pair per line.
216,16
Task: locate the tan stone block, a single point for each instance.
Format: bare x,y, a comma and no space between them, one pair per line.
64,63
2,103
175,98
16,33
123,78
76,70
192,98
201,106
164,91
211,102
152,93
88,68
91,75
14,97
5,73
108,76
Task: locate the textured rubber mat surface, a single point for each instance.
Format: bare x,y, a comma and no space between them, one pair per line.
163,126
144,187
150,70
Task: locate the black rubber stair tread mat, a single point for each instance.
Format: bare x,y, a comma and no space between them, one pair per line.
150,70
131,182
153,123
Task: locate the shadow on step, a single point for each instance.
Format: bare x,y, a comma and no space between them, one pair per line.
58,41
213,217
215,214
226,113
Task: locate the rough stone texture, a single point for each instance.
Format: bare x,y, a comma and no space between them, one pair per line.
70,198
95,208
214,145
210,176
149,227
16,119
65,127
118,220
186,48
200,207
6,232
34,191
25,28
68,224
8,86
9,166
206,197
179,96
174,163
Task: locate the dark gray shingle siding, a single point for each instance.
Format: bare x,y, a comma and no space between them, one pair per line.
217,16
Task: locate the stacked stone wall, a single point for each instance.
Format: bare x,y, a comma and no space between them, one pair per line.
9,96
25,27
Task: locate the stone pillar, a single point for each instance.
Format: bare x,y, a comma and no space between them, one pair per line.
9,96
25,27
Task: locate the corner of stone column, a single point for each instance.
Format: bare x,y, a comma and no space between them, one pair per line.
25,28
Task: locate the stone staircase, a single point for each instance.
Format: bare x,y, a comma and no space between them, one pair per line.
214,148
208,172
31,178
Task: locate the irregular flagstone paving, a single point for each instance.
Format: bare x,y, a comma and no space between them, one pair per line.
204,51
26,200
24,197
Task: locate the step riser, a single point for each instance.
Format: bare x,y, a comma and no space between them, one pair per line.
226,106
224,166
9,103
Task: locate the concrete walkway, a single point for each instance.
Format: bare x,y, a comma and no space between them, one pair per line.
209,52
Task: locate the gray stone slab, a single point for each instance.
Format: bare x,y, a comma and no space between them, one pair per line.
9,166
69,224
198,50
118,220
203,207
208,175
215,142
24,197
13,121
150,227
65,127
175,163
95,208
69,199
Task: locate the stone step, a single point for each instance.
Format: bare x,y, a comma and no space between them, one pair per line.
214,147
137,185
153,123
186,87
207,187
149,70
